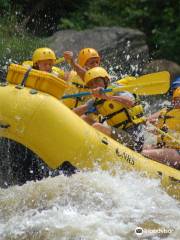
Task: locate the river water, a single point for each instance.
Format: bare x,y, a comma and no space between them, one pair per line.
88,206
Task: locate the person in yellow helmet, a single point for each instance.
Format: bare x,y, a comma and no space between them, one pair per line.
121,111
44,59
167,150
87,59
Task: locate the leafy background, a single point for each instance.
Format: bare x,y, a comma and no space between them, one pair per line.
24,25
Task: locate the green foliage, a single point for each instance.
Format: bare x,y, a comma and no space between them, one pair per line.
158,19
67,24
5,5
15,45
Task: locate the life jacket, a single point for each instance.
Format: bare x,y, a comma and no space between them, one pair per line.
169,122
55,70
58,72
119,116
76,86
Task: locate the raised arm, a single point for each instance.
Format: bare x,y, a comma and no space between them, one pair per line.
68,55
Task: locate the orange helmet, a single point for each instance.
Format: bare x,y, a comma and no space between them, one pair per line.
176,93
85,54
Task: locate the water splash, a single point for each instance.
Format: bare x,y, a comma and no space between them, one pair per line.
88,205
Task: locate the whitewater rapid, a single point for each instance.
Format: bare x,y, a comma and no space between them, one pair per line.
89,206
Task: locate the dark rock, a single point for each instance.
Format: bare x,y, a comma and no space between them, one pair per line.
162,65
123,50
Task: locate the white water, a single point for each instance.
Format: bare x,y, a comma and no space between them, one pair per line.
88,206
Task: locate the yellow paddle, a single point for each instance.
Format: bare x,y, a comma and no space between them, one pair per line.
150,84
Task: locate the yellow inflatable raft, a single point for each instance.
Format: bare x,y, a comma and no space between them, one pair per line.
45,125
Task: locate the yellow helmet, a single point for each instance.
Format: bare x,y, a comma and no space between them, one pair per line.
95,73
176,93
43,54
85,54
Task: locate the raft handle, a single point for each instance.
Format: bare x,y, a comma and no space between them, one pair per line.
159,173
105,141
23,82
26,75
19,86
33,91
174,179
4,125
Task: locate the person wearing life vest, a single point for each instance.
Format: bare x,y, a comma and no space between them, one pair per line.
167,150
122,111
87,59
44,59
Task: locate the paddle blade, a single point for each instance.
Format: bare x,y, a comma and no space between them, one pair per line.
150,84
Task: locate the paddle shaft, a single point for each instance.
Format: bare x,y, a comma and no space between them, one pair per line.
83,94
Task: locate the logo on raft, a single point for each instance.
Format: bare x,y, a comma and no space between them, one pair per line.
125,156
